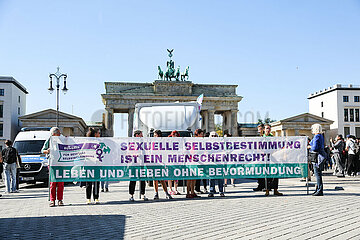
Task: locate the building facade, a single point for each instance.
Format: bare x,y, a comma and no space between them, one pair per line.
300,125
12,106
341,104
121,97
69,125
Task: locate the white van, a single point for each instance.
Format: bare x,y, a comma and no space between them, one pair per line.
29,143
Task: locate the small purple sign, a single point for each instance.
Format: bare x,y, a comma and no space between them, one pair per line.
75,147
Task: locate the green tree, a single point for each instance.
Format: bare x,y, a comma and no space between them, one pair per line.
218,129
266,120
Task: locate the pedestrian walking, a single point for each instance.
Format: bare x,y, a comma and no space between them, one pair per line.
104,186
10,157
352,149
56,188
337,149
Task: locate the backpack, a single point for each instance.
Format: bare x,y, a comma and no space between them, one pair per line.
9,155
356,149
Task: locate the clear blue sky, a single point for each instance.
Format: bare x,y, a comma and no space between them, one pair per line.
257,45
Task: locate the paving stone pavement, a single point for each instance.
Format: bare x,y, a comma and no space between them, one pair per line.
242,214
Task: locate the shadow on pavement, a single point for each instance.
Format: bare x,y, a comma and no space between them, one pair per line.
30,186
64,227
19,196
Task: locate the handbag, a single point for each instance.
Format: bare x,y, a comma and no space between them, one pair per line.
313,157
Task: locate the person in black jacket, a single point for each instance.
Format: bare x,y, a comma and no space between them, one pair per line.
9,157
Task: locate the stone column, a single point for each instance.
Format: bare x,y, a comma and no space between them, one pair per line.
109,122
226,124
211,122
326,137
224,118
130,121
234,123
205,120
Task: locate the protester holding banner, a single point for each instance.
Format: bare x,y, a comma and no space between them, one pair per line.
190,184
132,184
318,152
261,181
227,134
56,188
176,182
158,133
198,181
271,183
212,181
140,159
93,187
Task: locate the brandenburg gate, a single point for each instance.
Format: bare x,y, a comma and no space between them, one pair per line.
171,86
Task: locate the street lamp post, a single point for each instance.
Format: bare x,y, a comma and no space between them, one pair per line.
58,76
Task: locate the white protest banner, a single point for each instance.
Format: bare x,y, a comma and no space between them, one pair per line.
123,159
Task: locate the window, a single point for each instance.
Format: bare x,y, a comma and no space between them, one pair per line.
357,132
346,115
357,115
346,131
345,98
322,104
1,111
2,92
19,99
29,147
18,122
351,115
18,111
322,114
1,130
356,99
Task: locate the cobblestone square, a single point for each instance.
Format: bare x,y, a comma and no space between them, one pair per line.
242,214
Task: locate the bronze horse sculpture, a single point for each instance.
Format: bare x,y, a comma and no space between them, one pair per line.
185,74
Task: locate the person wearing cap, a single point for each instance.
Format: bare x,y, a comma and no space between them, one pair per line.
56,188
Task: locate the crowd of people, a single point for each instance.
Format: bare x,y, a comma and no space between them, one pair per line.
342,156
